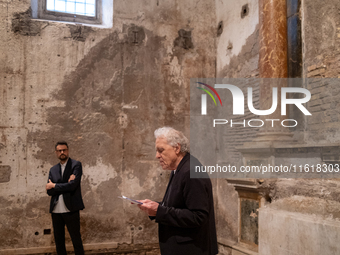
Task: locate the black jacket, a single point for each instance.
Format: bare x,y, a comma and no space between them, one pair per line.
186,217
71,190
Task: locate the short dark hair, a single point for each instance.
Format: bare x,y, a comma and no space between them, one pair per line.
61,143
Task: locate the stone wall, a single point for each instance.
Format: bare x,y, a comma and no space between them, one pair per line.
321,59
104,91
237,57
320,47
311,206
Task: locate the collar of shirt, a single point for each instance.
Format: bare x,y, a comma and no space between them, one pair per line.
63,166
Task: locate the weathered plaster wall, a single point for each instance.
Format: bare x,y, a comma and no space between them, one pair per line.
232,139
236,57
105,91
320,35
321,59
280,229
237,41
310,205
320,25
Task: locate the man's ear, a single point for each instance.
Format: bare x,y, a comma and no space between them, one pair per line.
178,149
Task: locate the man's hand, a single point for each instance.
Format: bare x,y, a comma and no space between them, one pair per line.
72,177
50,185
149,207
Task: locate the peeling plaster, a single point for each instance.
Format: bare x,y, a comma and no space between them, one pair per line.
22,24
99,173
244,65
79,32
104,91
236,30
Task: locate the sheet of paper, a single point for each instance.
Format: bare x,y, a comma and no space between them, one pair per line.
131,200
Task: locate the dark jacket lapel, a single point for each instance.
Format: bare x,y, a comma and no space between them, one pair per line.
168,187
68,170
57,174
60,175
184,159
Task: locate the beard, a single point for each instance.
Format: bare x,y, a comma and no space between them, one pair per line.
63,157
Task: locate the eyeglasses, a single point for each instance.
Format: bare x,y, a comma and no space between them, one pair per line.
60,151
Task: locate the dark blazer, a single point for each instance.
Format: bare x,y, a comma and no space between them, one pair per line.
71,190
186,219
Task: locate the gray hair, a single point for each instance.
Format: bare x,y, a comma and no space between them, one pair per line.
173,137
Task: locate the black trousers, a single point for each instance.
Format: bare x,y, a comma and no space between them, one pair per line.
72,222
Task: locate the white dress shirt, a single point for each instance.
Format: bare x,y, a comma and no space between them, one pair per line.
60,207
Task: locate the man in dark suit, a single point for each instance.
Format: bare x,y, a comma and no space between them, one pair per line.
185,217
64,188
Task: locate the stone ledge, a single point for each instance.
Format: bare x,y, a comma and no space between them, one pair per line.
283,232
51,249
236,248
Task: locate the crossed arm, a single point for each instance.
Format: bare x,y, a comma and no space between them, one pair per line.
51,185
60,188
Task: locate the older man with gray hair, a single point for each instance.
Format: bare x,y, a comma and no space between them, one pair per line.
185,217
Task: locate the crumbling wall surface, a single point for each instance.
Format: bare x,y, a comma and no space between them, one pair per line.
320,30
237,38
301,210
322,192
321,37
232,139
104,91
311,205
285,232
236,57
321,33
321,25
